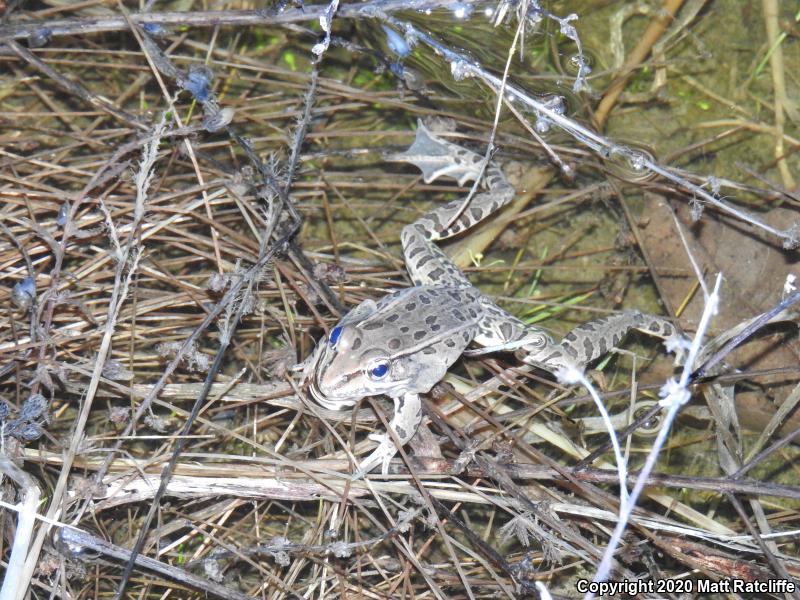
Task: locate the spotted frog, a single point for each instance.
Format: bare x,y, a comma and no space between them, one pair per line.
403,344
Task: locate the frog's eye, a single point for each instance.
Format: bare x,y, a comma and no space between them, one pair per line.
379,370
337,331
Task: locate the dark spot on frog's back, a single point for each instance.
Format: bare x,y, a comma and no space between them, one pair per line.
430,319
569,350
424,299
411,306
373,325
405,329
356,344
424,260
394,344
392,318
420,335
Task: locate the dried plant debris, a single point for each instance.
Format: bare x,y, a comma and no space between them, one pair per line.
194,195
28,423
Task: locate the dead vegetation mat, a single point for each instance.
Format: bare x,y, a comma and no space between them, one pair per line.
189,202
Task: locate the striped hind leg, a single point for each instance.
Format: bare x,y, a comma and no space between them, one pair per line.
583,345
588,342
437,158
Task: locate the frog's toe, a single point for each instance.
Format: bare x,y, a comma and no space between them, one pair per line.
381,438
365,466
382,455
359,474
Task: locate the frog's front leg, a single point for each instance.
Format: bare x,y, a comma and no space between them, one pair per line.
404,423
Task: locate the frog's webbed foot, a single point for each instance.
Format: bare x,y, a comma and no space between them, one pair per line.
404,423
436,157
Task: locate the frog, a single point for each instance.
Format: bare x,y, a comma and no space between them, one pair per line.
403,344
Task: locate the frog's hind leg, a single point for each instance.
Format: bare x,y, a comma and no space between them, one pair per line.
588,342
500,331
436,157
425,262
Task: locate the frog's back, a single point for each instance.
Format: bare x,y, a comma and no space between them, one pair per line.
420,317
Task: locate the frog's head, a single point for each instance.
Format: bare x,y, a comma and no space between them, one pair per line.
382,348
353,362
